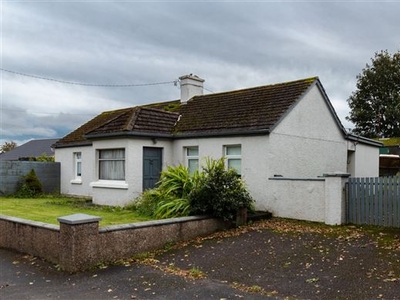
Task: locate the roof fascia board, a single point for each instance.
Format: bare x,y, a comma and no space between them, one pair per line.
128,134
75,144
222,134
331,108
179,136
363,140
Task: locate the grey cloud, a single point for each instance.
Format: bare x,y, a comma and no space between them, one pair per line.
230,44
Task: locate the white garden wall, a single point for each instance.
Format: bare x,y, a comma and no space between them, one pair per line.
313,199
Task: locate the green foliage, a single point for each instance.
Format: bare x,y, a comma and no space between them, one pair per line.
7,146
375,105
146,203
29,186
173,207
44,158
215,191
170,198
48,208
175,181
219,192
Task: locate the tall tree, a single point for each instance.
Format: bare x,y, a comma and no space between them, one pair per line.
7,146
375,105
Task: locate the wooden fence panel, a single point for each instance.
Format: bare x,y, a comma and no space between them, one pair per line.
374,201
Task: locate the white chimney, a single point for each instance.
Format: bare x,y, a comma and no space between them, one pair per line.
191,86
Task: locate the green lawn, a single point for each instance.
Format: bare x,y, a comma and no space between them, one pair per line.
47,210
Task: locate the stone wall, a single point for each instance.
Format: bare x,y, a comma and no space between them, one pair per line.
79,244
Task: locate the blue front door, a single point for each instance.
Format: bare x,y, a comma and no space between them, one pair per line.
152,165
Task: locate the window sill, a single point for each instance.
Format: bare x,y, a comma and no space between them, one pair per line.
76,181
110,184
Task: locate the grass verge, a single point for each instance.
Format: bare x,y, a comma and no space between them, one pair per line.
48,209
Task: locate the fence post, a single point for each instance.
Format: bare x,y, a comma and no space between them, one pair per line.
335,198
78,241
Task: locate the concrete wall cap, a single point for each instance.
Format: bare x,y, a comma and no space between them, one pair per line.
336,174
78,219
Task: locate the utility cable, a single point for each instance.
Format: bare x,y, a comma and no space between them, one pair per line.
87,84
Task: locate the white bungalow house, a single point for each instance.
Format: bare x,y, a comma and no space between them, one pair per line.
288,129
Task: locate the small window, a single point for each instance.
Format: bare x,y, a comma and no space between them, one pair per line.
78,164
192,159
112,164
233,156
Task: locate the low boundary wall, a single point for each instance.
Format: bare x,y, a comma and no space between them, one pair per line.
321,199
78,243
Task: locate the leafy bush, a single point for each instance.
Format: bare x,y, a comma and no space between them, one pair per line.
29,186
219,192
146,203
215,191
45,158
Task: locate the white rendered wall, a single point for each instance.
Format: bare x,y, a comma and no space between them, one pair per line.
309,140
69,184
132,187
307,143
118,193
366,162
255,169
297,199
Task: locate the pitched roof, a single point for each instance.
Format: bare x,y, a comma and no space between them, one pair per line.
138,120
248,110
30,149
251,110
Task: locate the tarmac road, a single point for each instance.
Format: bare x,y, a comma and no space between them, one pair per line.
26,277
275,259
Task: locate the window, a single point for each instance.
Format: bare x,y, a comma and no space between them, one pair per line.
112,164
233,156
78,164
192,159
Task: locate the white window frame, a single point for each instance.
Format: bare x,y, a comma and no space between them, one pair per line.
233,157
114,159
78,164
77,168
192,157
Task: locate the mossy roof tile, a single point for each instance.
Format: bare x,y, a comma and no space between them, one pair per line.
240,111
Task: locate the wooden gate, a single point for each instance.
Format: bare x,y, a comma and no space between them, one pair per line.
374,201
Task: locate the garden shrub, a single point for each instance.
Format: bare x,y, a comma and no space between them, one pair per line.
219,192
170,198
29,186
146,203
215,191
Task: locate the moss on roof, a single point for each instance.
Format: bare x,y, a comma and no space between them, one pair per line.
258,108
390,141
246,110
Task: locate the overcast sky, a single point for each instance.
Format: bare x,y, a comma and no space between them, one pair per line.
231,44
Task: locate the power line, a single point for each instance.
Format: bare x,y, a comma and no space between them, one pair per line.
46,113
86,84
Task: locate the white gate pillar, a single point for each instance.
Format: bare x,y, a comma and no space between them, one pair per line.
335,198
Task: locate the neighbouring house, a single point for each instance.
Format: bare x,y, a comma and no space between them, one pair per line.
389,158
31,150
288,129
21,160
